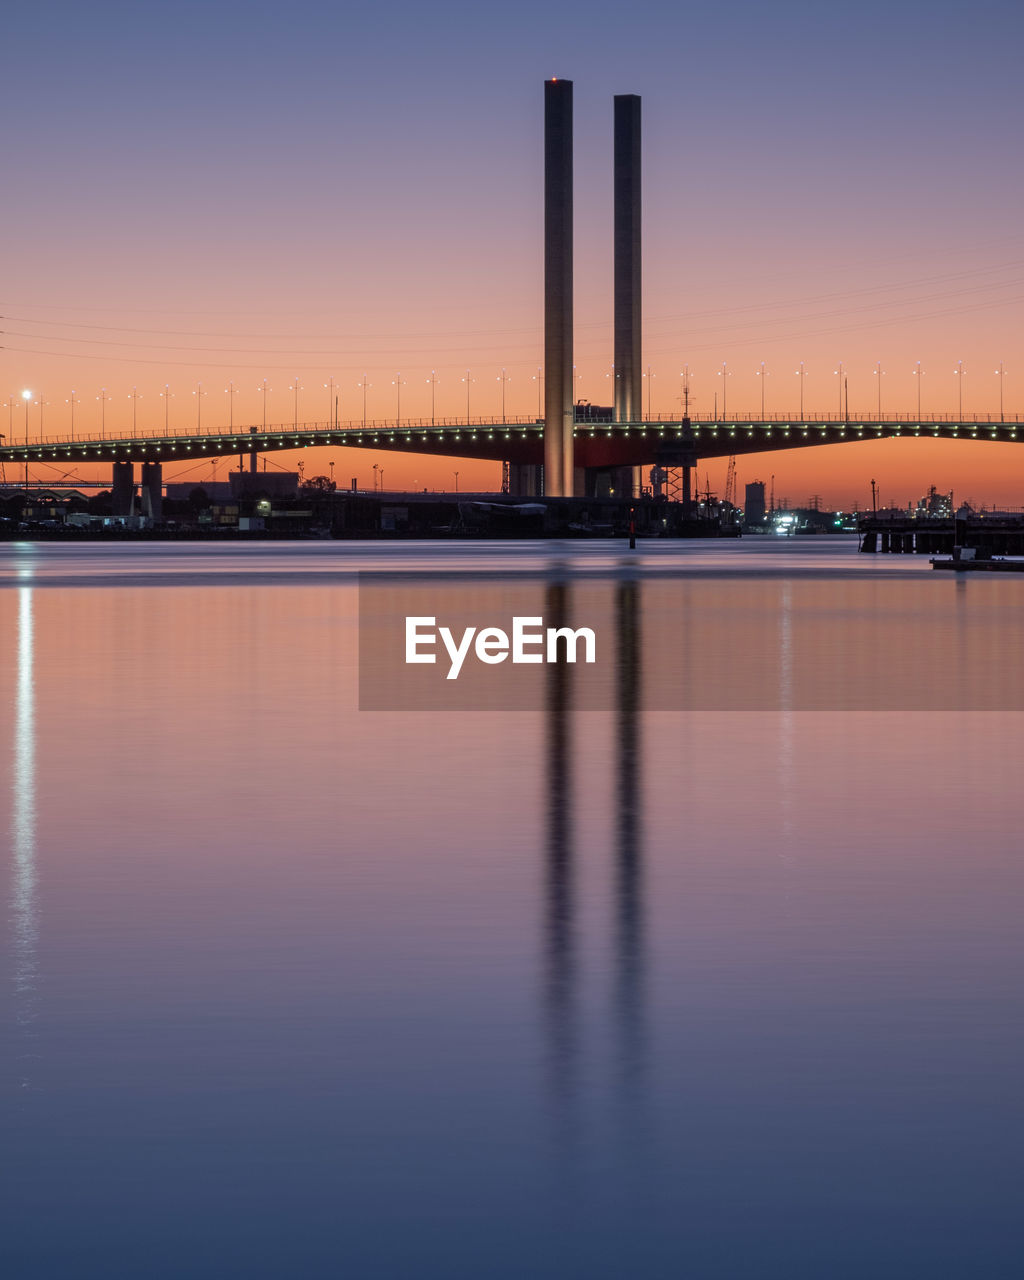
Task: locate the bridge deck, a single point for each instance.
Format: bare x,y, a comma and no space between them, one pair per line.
515,439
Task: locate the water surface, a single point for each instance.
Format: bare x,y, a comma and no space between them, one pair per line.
297,989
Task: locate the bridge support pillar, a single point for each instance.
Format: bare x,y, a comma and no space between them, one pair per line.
122,490
252,453
559,417
607,482
525,480
687,491
152,491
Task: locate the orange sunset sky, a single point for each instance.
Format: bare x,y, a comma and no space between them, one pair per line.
203,197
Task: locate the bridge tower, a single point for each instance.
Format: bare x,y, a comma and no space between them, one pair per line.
628,277
558,315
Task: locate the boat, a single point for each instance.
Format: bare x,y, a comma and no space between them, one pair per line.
978,560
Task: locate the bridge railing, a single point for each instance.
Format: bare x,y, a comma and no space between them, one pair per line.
838,419
247,434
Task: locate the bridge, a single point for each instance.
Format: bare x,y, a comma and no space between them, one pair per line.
574,448
598,443
599,446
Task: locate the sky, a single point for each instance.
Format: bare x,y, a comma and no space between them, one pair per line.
201,196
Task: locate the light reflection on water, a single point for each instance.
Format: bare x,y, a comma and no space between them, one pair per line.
595,993
23,820
155,563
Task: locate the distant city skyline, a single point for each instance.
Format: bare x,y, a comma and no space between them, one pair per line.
220,195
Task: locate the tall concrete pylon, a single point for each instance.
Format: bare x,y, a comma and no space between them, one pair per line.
558,313
627,272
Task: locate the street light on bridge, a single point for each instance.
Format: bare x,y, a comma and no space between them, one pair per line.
199,393
801,373
71,402
433,391
724,374
960,373
166,393
134,398
503,378
762,373
296,389
103,398
1001,374
231,392
650,377
468,381
918,374
27,397
879,374
398,384
614,377
364,384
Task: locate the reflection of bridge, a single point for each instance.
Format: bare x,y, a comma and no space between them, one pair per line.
562,996
561,949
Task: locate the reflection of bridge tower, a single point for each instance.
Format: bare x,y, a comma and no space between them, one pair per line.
629,953
560,1015
560,1001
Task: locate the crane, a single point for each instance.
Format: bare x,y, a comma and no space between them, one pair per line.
730,481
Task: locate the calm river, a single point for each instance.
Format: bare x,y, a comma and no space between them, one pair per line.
705,962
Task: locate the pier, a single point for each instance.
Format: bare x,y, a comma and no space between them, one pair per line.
904,535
